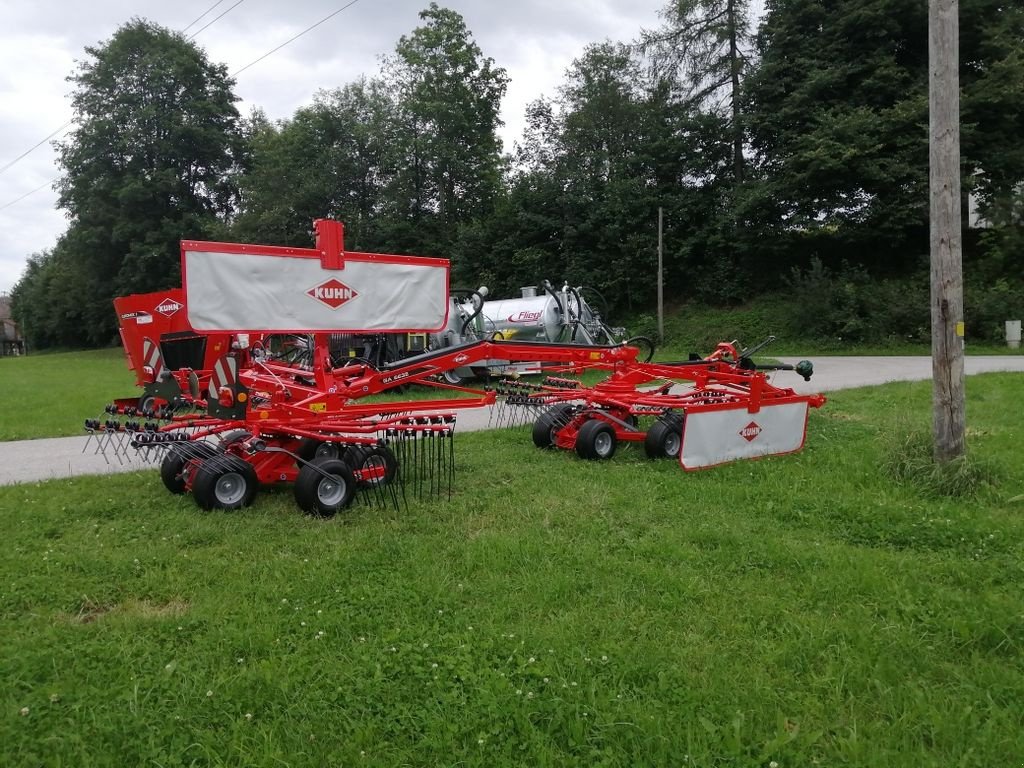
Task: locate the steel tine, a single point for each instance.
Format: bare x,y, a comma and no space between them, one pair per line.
403,466
123,444
430,466
439,472
101,447
116,444
451,461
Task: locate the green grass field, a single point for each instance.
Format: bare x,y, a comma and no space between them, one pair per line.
794,611
50,395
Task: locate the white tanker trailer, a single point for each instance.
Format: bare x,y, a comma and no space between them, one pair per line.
561,316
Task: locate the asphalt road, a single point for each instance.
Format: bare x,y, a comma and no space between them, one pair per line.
34,460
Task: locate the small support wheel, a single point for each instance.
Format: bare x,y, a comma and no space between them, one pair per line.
310,449
225,482
548,424
324,487
596,440
373,465
664,439
149,404
176,461
451,377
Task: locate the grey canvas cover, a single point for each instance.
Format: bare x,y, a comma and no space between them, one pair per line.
274,293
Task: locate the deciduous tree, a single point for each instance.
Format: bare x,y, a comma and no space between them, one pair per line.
329,160
149,162
448,96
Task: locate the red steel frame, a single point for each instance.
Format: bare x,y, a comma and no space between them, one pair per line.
321,405
281,407
645,389
131,308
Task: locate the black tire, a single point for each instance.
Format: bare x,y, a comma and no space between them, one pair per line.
549,422
172,468
626,418
310,449
596,440
664,439
225,482
324,487
378,461
149,404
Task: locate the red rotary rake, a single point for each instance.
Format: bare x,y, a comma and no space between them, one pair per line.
700,412
253,417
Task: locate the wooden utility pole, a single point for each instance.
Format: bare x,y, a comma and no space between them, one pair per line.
661,283
947,293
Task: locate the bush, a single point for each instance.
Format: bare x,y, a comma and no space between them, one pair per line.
988,307
834,308
849,305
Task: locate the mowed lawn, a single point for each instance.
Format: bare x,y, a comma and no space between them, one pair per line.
794,611
51,395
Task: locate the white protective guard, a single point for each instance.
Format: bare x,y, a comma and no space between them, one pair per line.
274,293
715,437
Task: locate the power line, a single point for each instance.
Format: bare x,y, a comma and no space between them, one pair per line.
216,19
32,192
34,147
38,144
269,53
293,39
198,18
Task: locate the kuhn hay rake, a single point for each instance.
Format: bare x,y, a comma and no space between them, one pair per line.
700,412
254,416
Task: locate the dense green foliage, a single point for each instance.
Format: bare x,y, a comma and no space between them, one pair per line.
148,164
403,159
326,162
704,51
554,612
838,117
793,155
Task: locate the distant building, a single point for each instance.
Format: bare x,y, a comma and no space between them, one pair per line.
11,340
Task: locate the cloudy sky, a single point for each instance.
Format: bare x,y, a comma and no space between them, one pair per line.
40,41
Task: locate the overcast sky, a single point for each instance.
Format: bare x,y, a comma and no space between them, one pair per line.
40,40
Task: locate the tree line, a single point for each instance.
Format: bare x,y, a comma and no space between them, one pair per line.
790,154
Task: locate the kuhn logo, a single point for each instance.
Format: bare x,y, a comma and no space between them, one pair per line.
461,358
333,293
750,432
168,307
524,317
